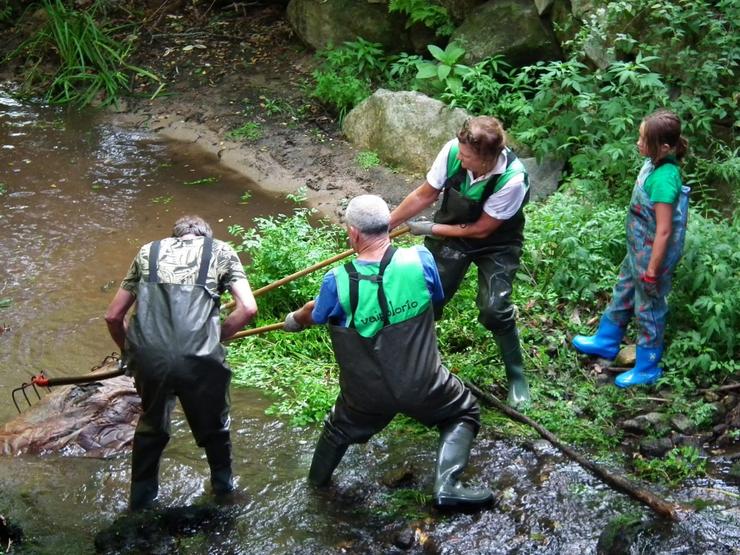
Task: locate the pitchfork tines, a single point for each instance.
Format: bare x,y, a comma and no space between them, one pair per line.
38,379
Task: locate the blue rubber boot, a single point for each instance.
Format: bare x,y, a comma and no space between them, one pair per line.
646,369
604,344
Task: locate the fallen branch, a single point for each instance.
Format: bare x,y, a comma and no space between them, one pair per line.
660,506
727,387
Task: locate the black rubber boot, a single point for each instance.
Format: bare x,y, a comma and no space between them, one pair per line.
511,353
326,457
143,495
219,460
145,455
452,458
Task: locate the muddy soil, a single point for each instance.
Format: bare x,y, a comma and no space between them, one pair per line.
245,67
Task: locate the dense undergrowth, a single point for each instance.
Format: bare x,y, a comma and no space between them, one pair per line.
568,109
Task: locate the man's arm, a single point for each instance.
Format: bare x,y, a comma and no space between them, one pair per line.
303,315
416,201
479,229
243,313
115,316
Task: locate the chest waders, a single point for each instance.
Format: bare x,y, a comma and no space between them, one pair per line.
496,257
395,368
174,350
629,298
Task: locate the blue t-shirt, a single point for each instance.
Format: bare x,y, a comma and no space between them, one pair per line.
327,303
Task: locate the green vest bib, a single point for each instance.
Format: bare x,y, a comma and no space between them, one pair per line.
477,190
401,285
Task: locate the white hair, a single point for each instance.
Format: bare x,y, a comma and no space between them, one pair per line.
369,214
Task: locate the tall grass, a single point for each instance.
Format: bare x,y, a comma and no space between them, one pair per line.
90,63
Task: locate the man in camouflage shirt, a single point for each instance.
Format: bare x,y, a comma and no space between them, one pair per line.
172,347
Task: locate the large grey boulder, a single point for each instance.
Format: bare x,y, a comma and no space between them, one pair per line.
511,28
459,9
320,23
405,128
544,177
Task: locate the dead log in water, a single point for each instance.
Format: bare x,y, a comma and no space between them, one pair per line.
662,507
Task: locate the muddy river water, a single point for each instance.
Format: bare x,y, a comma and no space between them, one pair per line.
77,198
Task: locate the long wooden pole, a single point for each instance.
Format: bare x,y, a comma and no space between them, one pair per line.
310,269
657,504
43,381
254,331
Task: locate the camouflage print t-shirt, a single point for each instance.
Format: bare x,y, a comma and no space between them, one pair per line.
179,262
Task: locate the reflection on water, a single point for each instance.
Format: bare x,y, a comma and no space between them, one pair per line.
78,198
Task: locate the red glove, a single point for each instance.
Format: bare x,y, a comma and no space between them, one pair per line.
649,285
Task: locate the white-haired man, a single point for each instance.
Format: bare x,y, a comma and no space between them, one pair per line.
172,345
379,311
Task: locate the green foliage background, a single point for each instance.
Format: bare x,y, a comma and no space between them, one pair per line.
682,55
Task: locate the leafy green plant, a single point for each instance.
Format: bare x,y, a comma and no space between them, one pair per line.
427,12
300,374
91,63
679,464
272,246
3,188
340,91
402,72
200,181
6,11
347,73
244,199
446,73
368,159
488,88
250,131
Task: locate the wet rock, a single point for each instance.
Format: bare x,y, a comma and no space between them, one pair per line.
405,538
158,531
399,476
626,357
644,423
682,423
720,411
681,440
620,534
636,425
734,473
655,447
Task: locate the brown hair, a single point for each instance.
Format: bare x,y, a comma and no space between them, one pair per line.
485,134
664,128
191,224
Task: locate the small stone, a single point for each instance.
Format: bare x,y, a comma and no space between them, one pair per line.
682,423
398,476
404,539
626,357
655,418
636,425
655,447
734,472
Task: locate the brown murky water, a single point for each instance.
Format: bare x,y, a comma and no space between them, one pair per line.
78,198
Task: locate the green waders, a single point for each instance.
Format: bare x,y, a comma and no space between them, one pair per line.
174,350
397,370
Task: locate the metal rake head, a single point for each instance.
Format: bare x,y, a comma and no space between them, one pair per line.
40,379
